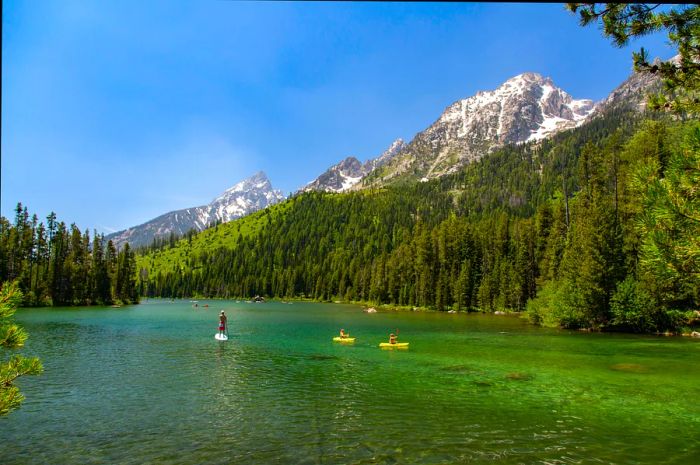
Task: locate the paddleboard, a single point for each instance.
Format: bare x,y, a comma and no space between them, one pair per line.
221,337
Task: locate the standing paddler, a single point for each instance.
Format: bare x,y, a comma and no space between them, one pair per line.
222,322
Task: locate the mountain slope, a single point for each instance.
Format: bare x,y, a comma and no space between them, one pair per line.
526,108
249,195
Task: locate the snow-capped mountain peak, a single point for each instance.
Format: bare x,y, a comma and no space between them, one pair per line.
247,196
258,181
527,107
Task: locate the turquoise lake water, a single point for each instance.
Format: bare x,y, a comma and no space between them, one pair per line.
149,384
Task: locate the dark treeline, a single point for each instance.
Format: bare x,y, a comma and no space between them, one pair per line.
563,230
58,265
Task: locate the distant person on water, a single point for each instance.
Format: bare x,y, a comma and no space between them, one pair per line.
392,338
343,334
222,322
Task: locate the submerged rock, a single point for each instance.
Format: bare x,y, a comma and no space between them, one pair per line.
630,367
457,369
517,376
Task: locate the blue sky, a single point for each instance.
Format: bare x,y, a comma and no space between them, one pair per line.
115,112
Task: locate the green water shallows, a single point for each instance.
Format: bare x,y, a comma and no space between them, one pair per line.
149,384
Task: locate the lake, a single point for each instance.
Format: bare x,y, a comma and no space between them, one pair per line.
149,384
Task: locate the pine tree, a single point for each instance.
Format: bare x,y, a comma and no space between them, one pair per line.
102,287
669,221
11,337
111,269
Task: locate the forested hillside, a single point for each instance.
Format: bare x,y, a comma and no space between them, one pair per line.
583,230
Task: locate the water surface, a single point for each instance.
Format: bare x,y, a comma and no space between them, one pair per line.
149,384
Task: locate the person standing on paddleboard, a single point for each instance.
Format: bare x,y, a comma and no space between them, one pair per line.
222,322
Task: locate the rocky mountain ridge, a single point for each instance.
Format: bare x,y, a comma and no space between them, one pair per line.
347,174
631,94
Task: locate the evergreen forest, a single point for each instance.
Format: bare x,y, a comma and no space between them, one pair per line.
54,264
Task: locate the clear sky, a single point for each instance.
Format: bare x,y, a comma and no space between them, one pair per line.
114,112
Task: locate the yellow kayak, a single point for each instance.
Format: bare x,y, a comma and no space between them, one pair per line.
398,345
343,339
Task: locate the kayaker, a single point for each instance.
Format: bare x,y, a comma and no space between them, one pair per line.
343,334
392,338
222,322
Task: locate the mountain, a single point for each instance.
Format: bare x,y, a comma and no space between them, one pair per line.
527,107
349,172
249,195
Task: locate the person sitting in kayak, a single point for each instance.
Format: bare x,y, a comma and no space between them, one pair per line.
343,334
222,322
392,338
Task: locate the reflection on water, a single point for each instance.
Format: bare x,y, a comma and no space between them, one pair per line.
149,384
